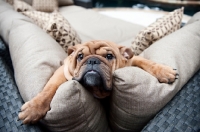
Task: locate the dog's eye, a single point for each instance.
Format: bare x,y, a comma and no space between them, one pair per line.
80,57
109,56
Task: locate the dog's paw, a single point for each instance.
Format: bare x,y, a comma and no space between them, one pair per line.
33,110
165,74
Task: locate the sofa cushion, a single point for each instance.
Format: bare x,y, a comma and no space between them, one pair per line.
157,30
196,17
35,57
91,25
28,1
45,5
74,109
56,26
10,1
137,96
22,6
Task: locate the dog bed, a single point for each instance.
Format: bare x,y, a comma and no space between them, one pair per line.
136,97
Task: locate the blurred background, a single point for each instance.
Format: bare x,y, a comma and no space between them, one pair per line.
191,6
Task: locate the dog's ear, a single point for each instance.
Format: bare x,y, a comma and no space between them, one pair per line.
67,62
67,73
126,52
71,49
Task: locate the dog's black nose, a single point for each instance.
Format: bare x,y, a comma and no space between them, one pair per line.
93,61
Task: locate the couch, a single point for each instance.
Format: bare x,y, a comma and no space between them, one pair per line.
180,114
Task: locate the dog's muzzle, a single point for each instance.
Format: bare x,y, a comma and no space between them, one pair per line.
94,76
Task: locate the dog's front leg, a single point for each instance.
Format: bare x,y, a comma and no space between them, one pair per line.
37,107
163,73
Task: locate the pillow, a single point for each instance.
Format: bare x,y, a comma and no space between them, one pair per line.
157,30
56,26
10,1
137,96
22,6
75,109
45,5
35,56
28,1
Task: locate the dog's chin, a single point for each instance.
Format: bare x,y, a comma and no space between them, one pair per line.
101,95
93,81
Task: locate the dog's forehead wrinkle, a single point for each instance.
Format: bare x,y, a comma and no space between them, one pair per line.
84,50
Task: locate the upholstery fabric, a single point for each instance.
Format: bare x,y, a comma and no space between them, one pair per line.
10,1
91,25
28,1
157,30
137,96
45,5
35,57
56,26
196,17
22,6
74,109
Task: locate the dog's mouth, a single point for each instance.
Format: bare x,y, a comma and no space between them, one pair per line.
92,78
94,82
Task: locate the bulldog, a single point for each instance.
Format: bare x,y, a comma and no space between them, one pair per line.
92,64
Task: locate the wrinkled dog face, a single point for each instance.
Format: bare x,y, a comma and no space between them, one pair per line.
93,63
94,72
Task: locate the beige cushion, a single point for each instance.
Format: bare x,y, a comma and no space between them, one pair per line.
157,30
22,6
35,56
56,26
196,17
137,96
10,1
74,109
45,5
6,22
91,25
28,1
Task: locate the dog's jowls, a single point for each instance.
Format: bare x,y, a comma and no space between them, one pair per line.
92,64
